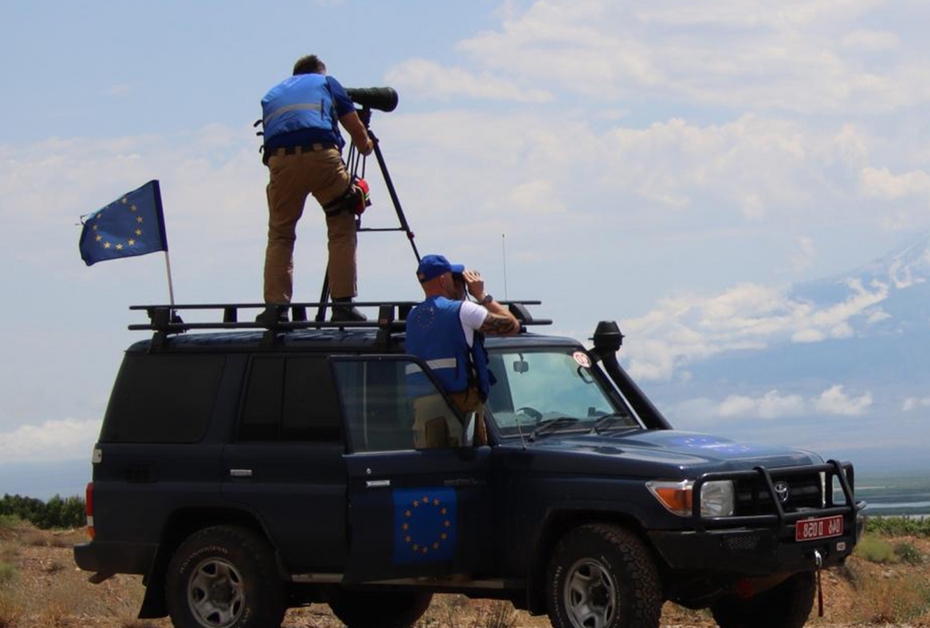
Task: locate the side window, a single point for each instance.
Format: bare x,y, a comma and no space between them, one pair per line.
392,405
290,399
162,398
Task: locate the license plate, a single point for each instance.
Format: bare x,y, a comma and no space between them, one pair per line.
822,528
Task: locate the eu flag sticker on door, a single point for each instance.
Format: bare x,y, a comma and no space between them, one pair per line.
425,522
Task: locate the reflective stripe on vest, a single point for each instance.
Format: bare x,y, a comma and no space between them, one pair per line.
285,109
442,363
297,103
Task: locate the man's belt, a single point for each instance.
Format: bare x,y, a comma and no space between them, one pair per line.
297,150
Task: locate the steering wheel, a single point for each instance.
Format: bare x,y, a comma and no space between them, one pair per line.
533,413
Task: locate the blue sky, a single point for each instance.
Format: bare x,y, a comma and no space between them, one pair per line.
675,166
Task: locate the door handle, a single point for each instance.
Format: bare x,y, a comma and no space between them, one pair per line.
463,482
240,473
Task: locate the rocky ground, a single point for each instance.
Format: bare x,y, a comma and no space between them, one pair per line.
40,587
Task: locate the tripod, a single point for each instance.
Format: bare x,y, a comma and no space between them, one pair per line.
355,163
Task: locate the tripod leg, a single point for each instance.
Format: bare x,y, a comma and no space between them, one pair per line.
324,297
394,199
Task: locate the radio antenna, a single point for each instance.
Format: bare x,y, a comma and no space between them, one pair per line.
504,256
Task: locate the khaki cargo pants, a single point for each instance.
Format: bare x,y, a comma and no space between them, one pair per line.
294,177
435,425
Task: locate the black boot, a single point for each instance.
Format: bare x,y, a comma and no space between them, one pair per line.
272,315
345,312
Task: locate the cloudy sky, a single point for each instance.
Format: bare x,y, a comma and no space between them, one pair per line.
673,165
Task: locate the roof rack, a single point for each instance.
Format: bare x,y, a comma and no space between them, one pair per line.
392,316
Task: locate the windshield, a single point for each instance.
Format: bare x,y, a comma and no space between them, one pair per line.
550,390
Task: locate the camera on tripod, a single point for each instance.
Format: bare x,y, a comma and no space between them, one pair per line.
380,98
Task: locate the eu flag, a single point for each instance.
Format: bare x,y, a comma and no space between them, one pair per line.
131,225
425,525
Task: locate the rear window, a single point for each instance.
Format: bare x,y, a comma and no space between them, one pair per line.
162,398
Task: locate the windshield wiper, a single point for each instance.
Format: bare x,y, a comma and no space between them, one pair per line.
550,425
606,420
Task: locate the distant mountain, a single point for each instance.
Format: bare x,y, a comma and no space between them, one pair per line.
905,273
882,357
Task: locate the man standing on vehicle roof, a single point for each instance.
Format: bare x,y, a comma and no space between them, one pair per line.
302,149
447,332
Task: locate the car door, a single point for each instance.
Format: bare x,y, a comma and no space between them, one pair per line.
411,511
285,463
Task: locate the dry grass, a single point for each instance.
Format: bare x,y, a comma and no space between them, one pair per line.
45,590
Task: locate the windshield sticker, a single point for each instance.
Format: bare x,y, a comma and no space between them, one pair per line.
582,359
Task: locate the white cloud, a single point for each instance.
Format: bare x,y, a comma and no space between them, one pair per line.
877,315
871,40
67,439
835,401
804,258
775,405
430,80
881,183
770,406
119,90
912,403
795,56
689,328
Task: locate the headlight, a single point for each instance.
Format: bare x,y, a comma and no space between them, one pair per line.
677,497
717,498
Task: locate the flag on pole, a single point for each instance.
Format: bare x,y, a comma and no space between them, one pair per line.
131,225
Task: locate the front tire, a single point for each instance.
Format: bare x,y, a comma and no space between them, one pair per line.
603,576
786,606
379,609
224,577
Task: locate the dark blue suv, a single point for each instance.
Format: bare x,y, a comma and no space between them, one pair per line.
244,469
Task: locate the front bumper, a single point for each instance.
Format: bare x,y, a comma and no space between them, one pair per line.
763,544
751,551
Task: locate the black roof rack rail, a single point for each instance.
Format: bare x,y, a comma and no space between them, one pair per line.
392,316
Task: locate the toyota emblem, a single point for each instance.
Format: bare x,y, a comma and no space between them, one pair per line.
782,490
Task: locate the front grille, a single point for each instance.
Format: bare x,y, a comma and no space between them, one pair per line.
804,492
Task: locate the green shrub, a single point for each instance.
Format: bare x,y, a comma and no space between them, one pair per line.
876,550
8,573
898,526
908,553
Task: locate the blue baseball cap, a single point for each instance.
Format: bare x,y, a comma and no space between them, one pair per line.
432,266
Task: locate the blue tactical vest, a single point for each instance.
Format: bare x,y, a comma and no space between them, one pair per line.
435,334
298,102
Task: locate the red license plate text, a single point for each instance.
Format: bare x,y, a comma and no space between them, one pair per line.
822,528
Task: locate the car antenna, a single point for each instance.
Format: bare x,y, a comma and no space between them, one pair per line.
504,257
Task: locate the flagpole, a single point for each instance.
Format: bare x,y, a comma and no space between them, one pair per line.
170,286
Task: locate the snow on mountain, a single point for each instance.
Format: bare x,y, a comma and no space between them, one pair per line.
839,365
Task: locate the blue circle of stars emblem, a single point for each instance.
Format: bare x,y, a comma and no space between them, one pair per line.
426,525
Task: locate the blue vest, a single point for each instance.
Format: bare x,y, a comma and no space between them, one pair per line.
296,103
435,335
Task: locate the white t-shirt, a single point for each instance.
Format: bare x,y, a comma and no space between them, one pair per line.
472,316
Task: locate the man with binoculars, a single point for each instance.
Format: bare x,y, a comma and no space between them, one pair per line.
303,152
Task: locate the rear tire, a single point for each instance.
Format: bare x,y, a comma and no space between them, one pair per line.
224,577
786,606
603,576
379,609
